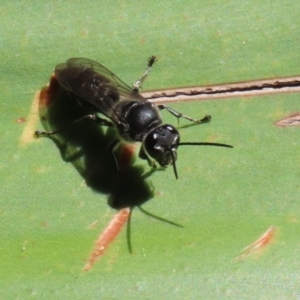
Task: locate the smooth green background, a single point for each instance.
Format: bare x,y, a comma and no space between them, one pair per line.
225,198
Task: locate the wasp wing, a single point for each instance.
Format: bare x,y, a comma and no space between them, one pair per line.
92,82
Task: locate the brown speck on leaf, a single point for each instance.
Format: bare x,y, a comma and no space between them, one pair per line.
48,93
93,225
126,155
44,224
21,120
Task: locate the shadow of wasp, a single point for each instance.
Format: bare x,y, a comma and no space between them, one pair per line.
129,117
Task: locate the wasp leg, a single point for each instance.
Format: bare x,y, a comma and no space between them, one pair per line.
178,115
95,118
143,155
137,86
111,148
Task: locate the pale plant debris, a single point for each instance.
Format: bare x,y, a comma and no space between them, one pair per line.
291,120
263,241
108,236
239,89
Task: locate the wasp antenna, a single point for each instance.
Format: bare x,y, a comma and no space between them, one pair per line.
204,144
138,85
174,164
152,60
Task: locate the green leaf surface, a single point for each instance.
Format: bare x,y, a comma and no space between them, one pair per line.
224,198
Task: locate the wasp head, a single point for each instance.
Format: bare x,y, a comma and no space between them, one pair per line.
161,144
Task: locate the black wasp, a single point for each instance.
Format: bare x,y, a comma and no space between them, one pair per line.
136,119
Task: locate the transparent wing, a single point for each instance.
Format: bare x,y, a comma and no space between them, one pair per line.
92,82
